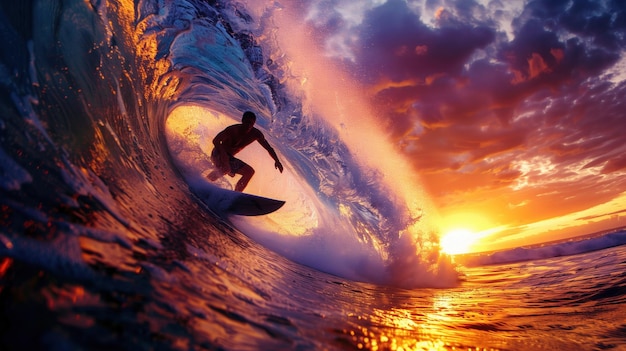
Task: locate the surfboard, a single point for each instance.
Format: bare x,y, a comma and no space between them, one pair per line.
252,205
229,202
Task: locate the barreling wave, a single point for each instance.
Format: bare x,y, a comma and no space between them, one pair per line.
88,93
333,201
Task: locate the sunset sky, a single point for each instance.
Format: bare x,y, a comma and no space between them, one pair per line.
512,112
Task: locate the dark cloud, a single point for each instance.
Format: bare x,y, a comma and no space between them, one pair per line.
575,40
395,44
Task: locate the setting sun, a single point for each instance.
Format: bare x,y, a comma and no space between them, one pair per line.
461,231
457,241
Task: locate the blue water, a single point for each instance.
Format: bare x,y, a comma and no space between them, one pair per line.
108,109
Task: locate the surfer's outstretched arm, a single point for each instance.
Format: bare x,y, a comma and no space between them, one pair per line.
272,153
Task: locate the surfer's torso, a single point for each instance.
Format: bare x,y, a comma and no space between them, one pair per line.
234,138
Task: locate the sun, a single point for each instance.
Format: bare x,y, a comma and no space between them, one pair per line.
462,231
457,241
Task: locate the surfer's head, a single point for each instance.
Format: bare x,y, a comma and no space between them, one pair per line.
248,119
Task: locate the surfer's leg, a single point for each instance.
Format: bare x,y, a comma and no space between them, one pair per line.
215,174
246,174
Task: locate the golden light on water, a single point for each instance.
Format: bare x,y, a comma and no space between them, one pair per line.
422,325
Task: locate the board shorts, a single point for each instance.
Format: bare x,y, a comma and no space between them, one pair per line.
234,163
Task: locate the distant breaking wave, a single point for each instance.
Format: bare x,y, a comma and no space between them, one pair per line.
571,247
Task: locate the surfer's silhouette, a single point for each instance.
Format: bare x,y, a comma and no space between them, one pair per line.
229,142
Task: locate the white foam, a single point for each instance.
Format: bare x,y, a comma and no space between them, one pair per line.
572,247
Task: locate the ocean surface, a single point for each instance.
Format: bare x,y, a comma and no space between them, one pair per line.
112,238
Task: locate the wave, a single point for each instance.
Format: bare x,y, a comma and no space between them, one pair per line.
339,216
81,134
571,247
109,108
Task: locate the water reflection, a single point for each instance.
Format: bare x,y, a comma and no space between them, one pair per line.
425,320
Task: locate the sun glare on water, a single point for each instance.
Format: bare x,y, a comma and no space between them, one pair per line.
457,241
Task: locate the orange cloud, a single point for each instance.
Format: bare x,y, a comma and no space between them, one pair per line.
537,66
440,13
421,50
401,51
432,78
558,54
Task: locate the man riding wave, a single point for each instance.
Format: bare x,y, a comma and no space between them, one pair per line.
229,142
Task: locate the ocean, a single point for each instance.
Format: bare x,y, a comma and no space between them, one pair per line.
111,237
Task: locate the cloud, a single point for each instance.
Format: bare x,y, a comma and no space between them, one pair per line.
471,92
394,43
614,213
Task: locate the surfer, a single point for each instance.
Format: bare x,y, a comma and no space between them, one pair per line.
229,142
